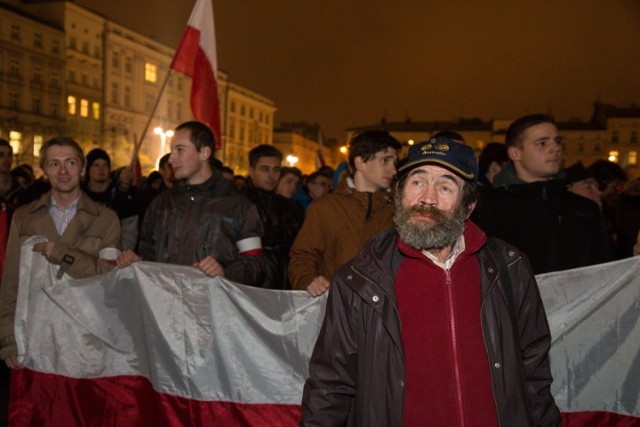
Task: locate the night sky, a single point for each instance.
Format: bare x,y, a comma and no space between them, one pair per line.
348,63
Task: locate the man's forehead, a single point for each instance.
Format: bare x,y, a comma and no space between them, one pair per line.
268,160
388,151
435,170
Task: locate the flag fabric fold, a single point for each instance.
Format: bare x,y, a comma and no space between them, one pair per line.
196,58
158,344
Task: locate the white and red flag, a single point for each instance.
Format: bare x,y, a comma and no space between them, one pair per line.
196,58
158,344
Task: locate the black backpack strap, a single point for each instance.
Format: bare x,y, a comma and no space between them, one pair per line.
505,279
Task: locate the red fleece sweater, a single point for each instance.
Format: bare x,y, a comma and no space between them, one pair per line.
447,370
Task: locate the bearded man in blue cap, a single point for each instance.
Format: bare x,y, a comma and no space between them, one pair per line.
433,324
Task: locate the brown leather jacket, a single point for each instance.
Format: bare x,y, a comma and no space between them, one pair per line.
336,227
93,228
356,372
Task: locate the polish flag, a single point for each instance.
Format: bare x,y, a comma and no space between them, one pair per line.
158,344
196,58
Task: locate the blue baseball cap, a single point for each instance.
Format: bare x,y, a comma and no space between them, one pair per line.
460,158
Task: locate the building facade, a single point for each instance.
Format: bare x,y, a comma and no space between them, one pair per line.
612,134
67,70
301,146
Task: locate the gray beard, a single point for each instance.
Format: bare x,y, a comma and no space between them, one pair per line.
421,235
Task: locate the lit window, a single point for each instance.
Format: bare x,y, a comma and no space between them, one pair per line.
37,144
71,105
84,108
15,139
95,110
632,158
150,72
613,156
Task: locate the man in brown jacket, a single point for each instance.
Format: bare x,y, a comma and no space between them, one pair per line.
338,224
77,231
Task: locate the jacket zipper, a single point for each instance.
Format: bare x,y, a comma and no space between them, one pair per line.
484,340
454,346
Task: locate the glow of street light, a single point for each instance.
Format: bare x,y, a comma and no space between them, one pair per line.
292,159
411,142
343,149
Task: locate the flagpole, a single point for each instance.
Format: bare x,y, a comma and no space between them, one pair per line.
138,144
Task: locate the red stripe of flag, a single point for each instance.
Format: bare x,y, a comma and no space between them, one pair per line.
196,58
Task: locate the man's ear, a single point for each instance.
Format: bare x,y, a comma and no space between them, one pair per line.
472,206
514,153
358,162
205,152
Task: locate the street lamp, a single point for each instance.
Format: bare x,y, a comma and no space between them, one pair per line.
163,142
292,159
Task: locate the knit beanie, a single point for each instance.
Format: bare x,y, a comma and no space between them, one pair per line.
95,154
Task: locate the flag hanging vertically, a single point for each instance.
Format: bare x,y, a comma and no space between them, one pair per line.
196,58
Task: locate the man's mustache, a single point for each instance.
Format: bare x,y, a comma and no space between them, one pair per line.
432,212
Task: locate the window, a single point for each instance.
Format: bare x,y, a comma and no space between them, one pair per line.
14,100
15,32
36,105
95,110
615,137
37,74
267,118
55,46
55,79
148,102
96,52
150,72
85,79
72,76
37,144
232,128
170,109
114,92
232,107
179,111
84,108
127,96
15,139
580,147
632,158
73,43
115,60
251,113
37,40
53,109
71,105
128,65
242,111
633,139
14,67
85,47
241,135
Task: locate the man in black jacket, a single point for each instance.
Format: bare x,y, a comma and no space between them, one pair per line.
201,221
421,328
532,209
281,217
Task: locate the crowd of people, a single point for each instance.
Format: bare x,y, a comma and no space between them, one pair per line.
411,248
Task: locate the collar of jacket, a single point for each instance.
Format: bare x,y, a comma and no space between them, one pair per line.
346,187
507,177
85,204
212,183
